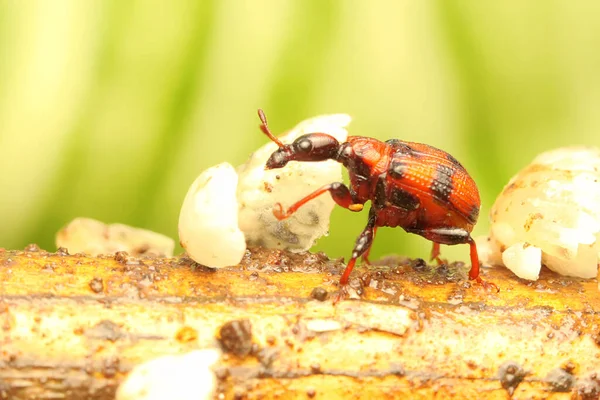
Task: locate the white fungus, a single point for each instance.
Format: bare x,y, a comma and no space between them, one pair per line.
181,377
520,257
86,235
260,189
549,213
225,209
323,325
208,222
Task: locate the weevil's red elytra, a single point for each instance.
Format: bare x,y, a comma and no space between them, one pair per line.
415,186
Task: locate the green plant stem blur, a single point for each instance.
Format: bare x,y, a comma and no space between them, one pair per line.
110,109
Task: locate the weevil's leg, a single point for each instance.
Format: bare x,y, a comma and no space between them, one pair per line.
457,236
365,256
339,193
363,244
474,272
435,254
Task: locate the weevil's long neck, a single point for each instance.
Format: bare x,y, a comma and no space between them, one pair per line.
344,154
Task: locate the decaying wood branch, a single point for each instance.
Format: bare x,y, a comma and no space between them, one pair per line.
73,326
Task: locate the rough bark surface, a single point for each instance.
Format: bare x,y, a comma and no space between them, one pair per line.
71,327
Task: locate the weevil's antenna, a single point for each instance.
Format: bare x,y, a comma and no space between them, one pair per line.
265,128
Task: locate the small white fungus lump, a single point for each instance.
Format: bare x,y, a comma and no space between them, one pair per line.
90,236
549,213
175,377
226,209
208,222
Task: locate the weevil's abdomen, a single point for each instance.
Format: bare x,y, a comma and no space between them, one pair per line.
447,194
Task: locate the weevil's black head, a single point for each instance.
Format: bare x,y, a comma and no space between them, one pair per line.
279,158
309,147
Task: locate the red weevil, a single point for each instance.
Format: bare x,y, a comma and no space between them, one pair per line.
415,186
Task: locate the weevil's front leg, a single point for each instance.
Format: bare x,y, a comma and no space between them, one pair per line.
339,193
365,256
363,244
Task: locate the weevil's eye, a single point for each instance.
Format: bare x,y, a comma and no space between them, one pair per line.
304,145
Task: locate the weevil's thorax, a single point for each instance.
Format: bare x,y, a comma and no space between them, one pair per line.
365,159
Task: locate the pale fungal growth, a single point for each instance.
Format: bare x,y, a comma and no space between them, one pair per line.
520,257
86,235
208,222
259,190
549,214
323,325
181,377
394,319
488,250
225,209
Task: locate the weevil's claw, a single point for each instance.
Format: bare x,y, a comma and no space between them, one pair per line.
278,212
340,295
348,291
487,285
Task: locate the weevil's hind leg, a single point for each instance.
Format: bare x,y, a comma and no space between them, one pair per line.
435,254
363,244
365,256
339,193
457,236
474,272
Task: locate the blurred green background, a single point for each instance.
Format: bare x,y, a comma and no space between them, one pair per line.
110,109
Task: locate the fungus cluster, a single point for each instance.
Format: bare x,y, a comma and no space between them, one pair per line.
227,208
549,214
